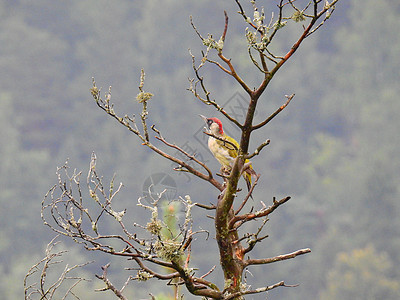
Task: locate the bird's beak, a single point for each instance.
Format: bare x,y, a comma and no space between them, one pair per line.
204,118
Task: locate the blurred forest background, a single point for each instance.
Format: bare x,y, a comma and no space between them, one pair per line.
335,148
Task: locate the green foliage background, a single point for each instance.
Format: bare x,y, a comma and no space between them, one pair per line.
335,149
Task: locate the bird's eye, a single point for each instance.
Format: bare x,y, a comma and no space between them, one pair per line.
209,122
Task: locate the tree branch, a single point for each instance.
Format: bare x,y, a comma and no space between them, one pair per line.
130,124
257,291
225,141
226,26
189,156
153,273
234,74
253,239
266,121
258,150
207,100
259,214
109,285
265,261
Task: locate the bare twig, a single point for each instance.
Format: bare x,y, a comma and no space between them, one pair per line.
189,156
227,143
207,207
258,150
109,285
264,261
234,74
226,26
231,70
259,290
207,100
44,268
259,214
267,120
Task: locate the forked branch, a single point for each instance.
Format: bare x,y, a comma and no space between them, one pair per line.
238,220
109,285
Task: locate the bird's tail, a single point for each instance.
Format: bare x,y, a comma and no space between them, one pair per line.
247,174
247,178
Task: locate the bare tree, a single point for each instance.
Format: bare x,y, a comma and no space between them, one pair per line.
65,207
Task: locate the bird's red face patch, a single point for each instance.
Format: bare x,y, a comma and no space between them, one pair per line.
215,120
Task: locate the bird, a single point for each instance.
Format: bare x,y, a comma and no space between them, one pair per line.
225,149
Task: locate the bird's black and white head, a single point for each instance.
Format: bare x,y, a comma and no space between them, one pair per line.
214,125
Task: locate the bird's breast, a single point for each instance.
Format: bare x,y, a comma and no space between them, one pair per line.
220,153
